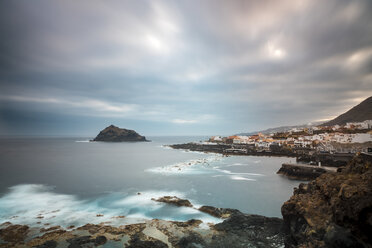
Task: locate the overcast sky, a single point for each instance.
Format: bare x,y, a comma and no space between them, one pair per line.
180,67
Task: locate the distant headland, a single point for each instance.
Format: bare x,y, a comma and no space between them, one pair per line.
115,134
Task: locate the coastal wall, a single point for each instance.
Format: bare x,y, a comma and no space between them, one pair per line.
301,172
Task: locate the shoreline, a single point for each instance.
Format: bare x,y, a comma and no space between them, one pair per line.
258,231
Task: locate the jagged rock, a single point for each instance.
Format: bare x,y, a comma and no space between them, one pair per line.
191,241
335,208
137,242
48,244
219,212
14,233
174,200
244,230
189,223
49,236
115,134
53,228
100,240
79,241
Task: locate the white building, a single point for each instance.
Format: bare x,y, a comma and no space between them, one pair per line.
216,138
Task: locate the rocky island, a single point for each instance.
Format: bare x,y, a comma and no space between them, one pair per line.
115,134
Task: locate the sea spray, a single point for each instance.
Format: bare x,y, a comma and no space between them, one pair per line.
37,205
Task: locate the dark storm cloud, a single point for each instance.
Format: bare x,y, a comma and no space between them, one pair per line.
182,67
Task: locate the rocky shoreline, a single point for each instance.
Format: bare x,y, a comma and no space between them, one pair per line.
301,155
237,230
334,210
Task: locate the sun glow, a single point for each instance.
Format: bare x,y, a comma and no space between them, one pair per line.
275,52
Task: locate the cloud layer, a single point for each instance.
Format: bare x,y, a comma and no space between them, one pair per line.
184,67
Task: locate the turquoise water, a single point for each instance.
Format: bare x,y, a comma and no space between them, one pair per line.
69,181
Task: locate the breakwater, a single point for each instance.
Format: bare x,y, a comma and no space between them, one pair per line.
303,171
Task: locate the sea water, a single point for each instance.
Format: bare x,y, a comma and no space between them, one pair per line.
71,181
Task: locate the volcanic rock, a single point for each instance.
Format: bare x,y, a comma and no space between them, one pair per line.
334,210
174,200
218,212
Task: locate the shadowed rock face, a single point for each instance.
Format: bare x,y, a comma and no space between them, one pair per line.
115,134
335,210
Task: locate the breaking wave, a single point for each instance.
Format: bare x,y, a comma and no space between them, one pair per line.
191,167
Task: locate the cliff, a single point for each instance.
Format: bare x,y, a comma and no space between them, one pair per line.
361,112
115,134
334,210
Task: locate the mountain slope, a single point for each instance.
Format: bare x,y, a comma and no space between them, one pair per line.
361,112
280,129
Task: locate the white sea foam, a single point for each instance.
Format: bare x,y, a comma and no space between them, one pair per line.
241,178
82,141
166,147
195,166
239,173
238,164
32,203
189,151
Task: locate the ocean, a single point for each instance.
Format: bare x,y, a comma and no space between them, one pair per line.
71,181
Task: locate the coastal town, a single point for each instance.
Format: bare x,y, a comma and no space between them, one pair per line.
316,149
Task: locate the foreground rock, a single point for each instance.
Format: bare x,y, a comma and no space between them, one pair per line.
335,210
239,230
115,134
219,212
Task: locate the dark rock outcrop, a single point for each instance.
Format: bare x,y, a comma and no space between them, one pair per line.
246,230
14,233
174,200
115,134
138,242
334,210
218,212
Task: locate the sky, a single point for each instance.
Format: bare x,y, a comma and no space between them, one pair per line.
184,67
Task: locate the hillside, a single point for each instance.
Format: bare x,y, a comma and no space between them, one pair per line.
361,112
